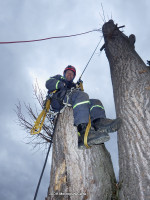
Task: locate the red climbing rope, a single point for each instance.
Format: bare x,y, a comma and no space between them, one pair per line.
55,37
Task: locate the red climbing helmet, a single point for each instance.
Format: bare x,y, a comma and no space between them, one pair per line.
70,67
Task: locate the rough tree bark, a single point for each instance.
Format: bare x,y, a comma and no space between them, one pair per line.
84,174
131,87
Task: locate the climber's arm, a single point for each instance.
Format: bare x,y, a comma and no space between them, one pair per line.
54,83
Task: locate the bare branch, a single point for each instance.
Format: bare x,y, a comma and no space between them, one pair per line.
45,136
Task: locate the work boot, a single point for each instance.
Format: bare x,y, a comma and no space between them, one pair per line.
94,137
107,125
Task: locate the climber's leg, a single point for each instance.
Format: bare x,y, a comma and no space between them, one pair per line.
99,120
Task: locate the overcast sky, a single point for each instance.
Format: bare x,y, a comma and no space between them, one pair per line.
21,64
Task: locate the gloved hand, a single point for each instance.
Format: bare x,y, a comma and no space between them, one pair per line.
49,95
79,82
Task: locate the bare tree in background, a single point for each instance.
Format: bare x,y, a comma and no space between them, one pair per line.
27,118
131,87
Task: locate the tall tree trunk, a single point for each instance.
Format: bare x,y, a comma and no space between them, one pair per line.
131,87
84,174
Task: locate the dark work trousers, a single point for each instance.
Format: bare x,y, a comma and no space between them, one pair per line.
83,107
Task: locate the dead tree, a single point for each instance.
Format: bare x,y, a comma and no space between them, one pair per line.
131,87
78,174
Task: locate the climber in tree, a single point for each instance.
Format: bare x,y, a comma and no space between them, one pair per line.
83,107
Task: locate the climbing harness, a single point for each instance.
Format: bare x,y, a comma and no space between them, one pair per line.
66,102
